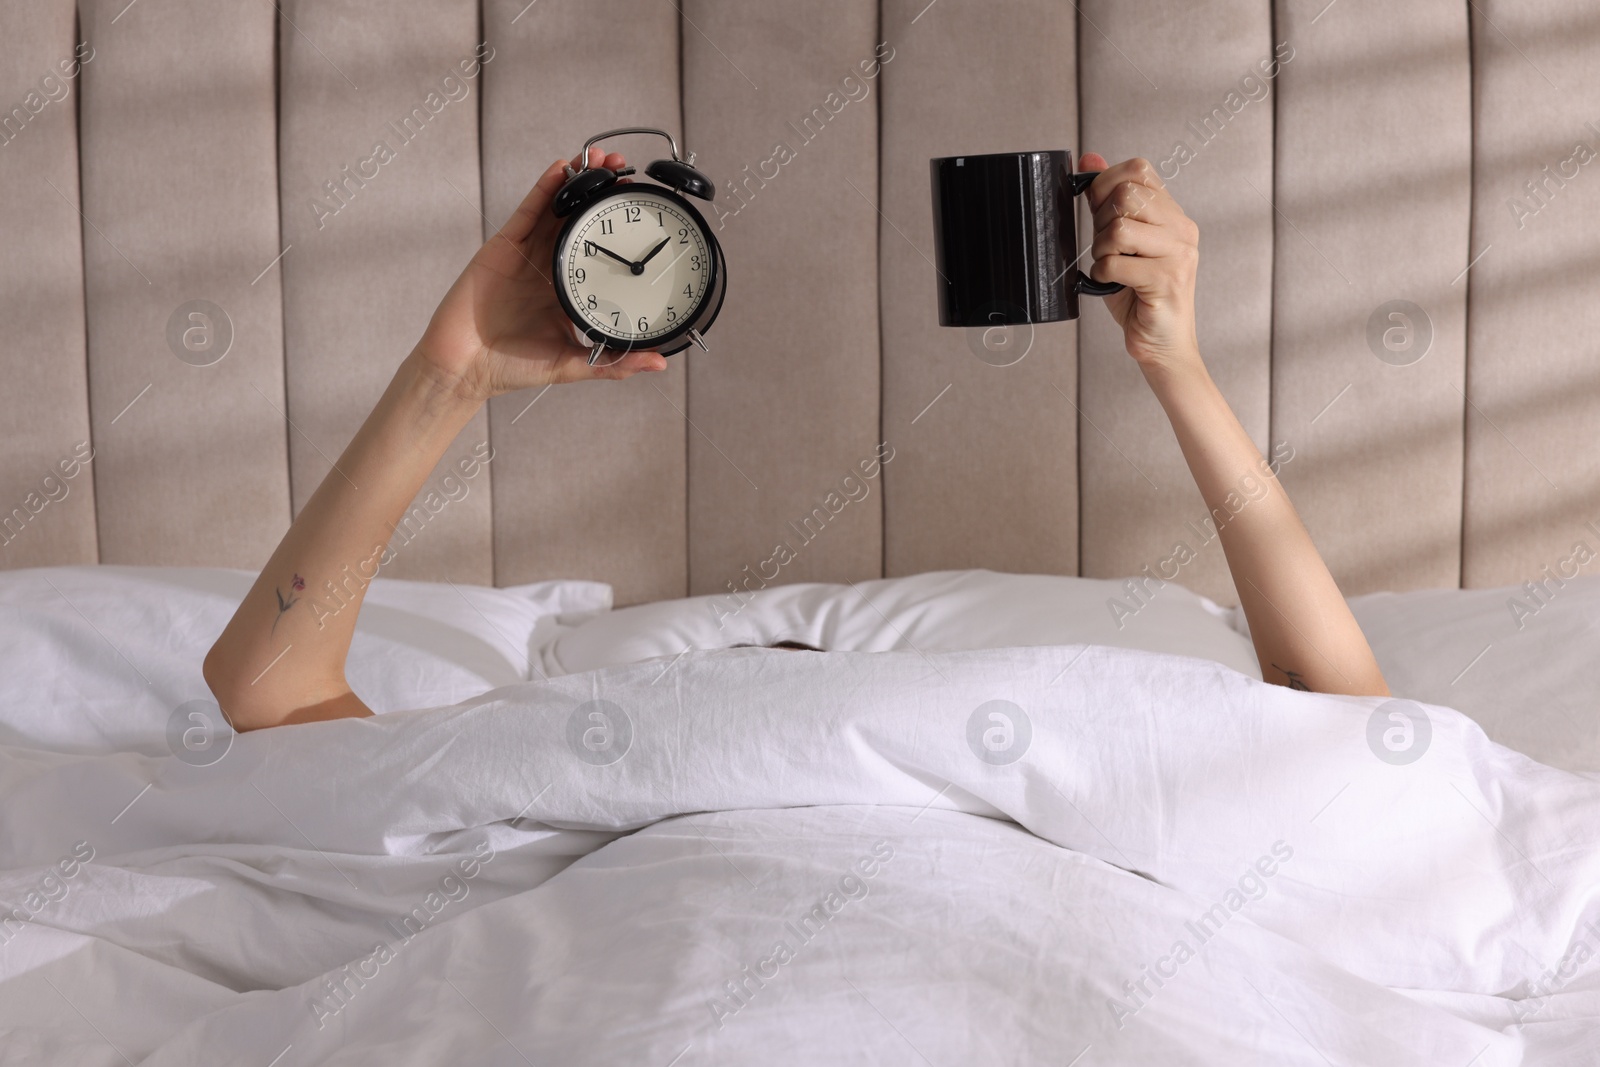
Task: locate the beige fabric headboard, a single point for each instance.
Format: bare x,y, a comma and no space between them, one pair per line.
163,152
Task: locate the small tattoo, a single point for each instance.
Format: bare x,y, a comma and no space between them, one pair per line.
1295,680
296,585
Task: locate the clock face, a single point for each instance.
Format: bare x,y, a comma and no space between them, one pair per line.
635,267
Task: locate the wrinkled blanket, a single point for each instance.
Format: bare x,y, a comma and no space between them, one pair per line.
1043,855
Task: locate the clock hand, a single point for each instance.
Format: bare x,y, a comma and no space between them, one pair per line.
648,256
625,262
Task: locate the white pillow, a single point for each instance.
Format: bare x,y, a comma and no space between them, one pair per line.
99,658
938,611
1526,675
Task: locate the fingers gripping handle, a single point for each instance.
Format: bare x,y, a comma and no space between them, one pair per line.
1089,287
1085,284
1082,180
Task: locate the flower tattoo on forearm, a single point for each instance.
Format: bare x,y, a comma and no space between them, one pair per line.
284,604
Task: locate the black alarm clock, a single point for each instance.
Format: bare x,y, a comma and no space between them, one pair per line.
636,266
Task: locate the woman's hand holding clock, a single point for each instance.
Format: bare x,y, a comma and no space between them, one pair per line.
500,327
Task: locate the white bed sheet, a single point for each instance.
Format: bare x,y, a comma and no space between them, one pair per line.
104,659
1518,660
1443,910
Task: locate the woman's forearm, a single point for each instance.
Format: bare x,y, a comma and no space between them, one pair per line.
1305,636
282,657
500,328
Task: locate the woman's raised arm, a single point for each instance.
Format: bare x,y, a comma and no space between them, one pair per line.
1304,634
281,659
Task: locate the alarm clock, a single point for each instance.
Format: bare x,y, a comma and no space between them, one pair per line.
636,266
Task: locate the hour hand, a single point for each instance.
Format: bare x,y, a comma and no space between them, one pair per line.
648,256
625,262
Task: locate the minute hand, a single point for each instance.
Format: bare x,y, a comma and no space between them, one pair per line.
625,262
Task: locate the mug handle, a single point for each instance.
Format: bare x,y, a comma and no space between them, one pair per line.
1085,284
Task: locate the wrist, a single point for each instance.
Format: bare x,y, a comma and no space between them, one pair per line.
1176,373
431,404
438,389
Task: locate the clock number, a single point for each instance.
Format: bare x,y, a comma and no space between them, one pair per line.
592,304
644,324
659,221
632,213
672,316
694,262
588,248
605,227
580,275
616,318
687,291
683,236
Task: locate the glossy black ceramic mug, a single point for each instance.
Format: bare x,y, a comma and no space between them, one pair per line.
1005,239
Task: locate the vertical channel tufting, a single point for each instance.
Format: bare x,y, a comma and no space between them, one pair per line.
784,407
1471,460
380,193
46,491
590,479
186,387
1373,212
985,465
1192,93
1533,361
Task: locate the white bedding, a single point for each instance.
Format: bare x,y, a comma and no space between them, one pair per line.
944,611
578,909
1170,863
1520,661
103,659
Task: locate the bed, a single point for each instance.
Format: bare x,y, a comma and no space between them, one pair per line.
984,826
1019,811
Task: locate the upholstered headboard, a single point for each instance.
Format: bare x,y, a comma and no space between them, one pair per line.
317,171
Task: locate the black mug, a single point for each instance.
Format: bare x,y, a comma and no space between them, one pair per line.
1005,239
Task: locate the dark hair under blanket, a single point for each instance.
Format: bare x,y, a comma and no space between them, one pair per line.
792,646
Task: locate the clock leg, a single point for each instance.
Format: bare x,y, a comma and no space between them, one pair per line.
694,335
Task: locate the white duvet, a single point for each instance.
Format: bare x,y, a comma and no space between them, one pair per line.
768,857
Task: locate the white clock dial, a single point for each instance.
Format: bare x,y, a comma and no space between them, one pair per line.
635,266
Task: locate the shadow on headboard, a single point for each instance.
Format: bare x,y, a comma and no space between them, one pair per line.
1398,269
